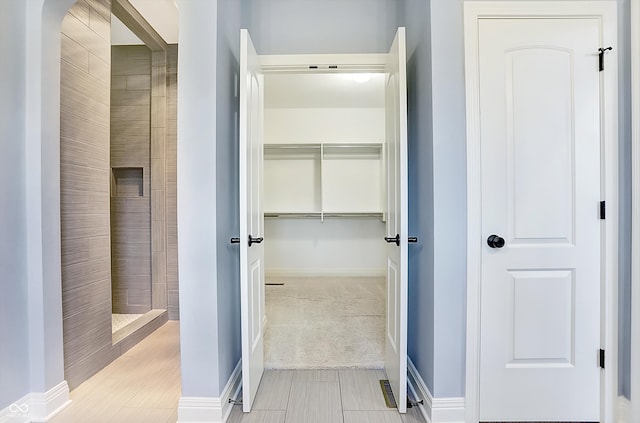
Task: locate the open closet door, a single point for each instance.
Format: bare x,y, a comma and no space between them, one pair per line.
397,225
251,220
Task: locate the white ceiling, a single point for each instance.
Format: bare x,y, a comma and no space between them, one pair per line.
161,14
283,90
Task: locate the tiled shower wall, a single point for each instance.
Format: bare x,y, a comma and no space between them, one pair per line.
86,180
84,188
131,179
171,160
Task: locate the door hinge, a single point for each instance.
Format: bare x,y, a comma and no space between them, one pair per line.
603,210
601,57
601,358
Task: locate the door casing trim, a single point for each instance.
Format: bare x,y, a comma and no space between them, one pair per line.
606,13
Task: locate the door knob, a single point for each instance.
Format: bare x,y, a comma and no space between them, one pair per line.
495,241
394,239
235,240
253,240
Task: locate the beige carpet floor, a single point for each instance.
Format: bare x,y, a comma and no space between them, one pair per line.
320,323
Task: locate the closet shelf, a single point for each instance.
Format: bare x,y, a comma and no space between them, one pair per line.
318,215
346,150
324,180
377,215
291,151
312,215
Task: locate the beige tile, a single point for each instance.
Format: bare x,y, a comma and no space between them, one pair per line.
256,416
118,83
372,417
74,53
138,52
361,390
81,11
134,66
142,113
315,376
78,30
173,418
99,68
413,415
158,205
158,237
159,267
314,402
142,415
103,7
273,393
158,112
159,296
159,58
139,83
159,81
158,174
100,24
158,139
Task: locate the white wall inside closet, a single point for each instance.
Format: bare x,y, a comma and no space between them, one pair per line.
324,174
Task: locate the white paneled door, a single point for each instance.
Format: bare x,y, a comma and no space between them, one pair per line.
397,222
540,158
251,220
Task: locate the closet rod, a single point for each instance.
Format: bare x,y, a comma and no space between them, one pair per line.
320,215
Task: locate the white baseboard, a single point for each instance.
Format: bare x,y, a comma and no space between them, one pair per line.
208,409
434,410
345,273
624,410
17,412
37,407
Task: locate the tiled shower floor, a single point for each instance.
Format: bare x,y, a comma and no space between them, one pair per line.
118,321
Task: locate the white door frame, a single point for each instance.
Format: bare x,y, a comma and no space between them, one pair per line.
606,12
635,211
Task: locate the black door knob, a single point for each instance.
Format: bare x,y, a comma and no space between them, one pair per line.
393,239
253,240
495,241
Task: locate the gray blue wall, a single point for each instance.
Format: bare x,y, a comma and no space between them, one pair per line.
421,218
197,206
227,86
14,361
322,26
624,259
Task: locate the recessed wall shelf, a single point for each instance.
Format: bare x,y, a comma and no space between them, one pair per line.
127,182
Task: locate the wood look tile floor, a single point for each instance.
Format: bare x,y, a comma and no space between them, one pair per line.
322,396
143,386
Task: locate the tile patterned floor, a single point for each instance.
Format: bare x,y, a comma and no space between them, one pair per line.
322,396
143,386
